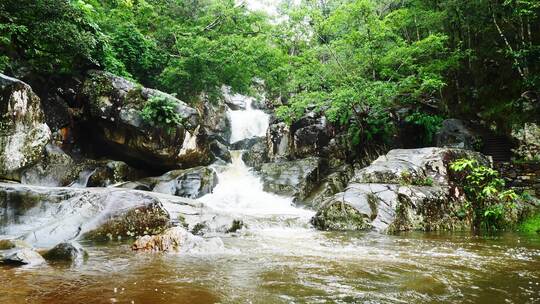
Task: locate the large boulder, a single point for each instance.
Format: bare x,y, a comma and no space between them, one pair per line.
309,135
235,102
334,183
190,183
23,131
454,133
46,216
256,153
58,169
406,189
391,208
294,178
416,166
247,143
114,123
148,218
216,120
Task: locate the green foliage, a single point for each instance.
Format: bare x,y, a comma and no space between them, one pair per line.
161,111
488,200
430,123
358,65
531,225
353,60
49,35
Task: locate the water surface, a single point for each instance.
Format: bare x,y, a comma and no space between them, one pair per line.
292,266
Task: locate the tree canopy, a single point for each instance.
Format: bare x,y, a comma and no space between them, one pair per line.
353,60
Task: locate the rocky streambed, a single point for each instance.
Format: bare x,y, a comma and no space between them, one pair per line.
231,206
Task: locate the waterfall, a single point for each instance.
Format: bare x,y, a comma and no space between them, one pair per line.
247,123
239,193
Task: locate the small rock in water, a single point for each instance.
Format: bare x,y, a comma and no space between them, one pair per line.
176,239
170,240
23,256
66,252
236,225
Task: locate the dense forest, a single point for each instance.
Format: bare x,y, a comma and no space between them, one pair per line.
357,61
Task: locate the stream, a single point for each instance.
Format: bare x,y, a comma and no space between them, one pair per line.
277,257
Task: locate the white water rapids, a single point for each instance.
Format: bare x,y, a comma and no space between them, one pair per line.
239,193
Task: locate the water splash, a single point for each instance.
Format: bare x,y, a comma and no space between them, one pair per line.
240,192
83,179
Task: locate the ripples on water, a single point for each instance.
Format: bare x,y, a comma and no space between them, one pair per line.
273,266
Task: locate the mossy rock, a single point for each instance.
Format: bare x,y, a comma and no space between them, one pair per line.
340,217
145,220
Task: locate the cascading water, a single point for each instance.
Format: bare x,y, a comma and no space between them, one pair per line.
247,123
239,193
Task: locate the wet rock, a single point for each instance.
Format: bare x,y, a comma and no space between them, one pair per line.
190,183
261,104
309,135
216,120
235,102
23,256
150,219
106,173
56,168
278,140
220,151
23,131
236,225
296,178
70,251
379,198
46,216
175,239
116,125
425,164
391,208
246,144
256,155
144,185
454,133
333,183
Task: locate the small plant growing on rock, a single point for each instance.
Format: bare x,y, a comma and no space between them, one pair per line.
160,111
487,198
407,179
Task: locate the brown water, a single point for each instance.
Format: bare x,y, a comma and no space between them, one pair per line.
296,266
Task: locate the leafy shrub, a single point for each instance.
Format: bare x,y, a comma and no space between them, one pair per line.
531,225
487,199
430,123
160,111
